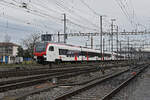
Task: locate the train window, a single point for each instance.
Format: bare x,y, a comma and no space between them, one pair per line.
51,48
63,51
40,47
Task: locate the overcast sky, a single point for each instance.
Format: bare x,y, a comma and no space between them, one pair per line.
82,15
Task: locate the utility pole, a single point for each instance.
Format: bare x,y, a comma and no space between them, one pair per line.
109,46
120,48
112,28
128,48
103,47
131,51
101,35
65,35
117,42
58,37
91,42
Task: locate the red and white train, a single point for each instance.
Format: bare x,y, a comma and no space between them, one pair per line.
45,52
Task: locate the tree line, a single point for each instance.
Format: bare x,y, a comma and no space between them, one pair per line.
26,49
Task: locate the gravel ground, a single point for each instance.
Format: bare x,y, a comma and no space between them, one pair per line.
74,78
79,79
21,67
18,77
18,91
53,93
23,90
12,78
133,91
50,95
36,66
58,90
100,90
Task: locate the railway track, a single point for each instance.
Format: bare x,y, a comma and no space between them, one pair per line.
27,72
23,96
49,74
99,89
122,85
36,71
28,83
36,79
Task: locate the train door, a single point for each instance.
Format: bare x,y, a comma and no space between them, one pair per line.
51,54
113,57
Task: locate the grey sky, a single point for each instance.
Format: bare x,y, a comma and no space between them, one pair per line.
46,16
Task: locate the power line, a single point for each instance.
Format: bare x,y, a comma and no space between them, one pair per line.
125,9
33,11
81,25
90,8
27,11
42,14
71,12
82,20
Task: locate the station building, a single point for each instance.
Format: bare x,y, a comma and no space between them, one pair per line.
8,52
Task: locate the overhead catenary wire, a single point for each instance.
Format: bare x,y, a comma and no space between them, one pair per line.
73,12
71,17
42,11
25,10
34,11
89,8
77,19
131,17
82,26
93,11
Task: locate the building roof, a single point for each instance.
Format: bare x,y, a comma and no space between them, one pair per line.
8,44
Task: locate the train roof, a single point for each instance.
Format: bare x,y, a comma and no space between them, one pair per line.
83,48
67,45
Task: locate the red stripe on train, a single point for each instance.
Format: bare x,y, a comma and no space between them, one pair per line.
76,57
87,56
39,54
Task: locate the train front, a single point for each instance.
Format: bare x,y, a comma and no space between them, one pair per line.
40,52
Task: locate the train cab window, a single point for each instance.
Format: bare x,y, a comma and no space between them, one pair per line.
51,48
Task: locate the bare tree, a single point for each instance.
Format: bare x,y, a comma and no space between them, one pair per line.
7,38
30,42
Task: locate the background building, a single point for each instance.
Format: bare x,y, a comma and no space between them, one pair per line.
8,52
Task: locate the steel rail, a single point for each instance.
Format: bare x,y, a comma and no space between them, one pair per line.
21,97
15,84
124,84
87,86
27,72
92,84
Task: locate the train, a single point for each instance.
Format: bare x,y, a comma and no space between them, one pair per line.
45,52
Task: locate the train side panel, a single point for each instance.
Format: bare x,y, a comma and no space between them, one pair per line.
60,52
